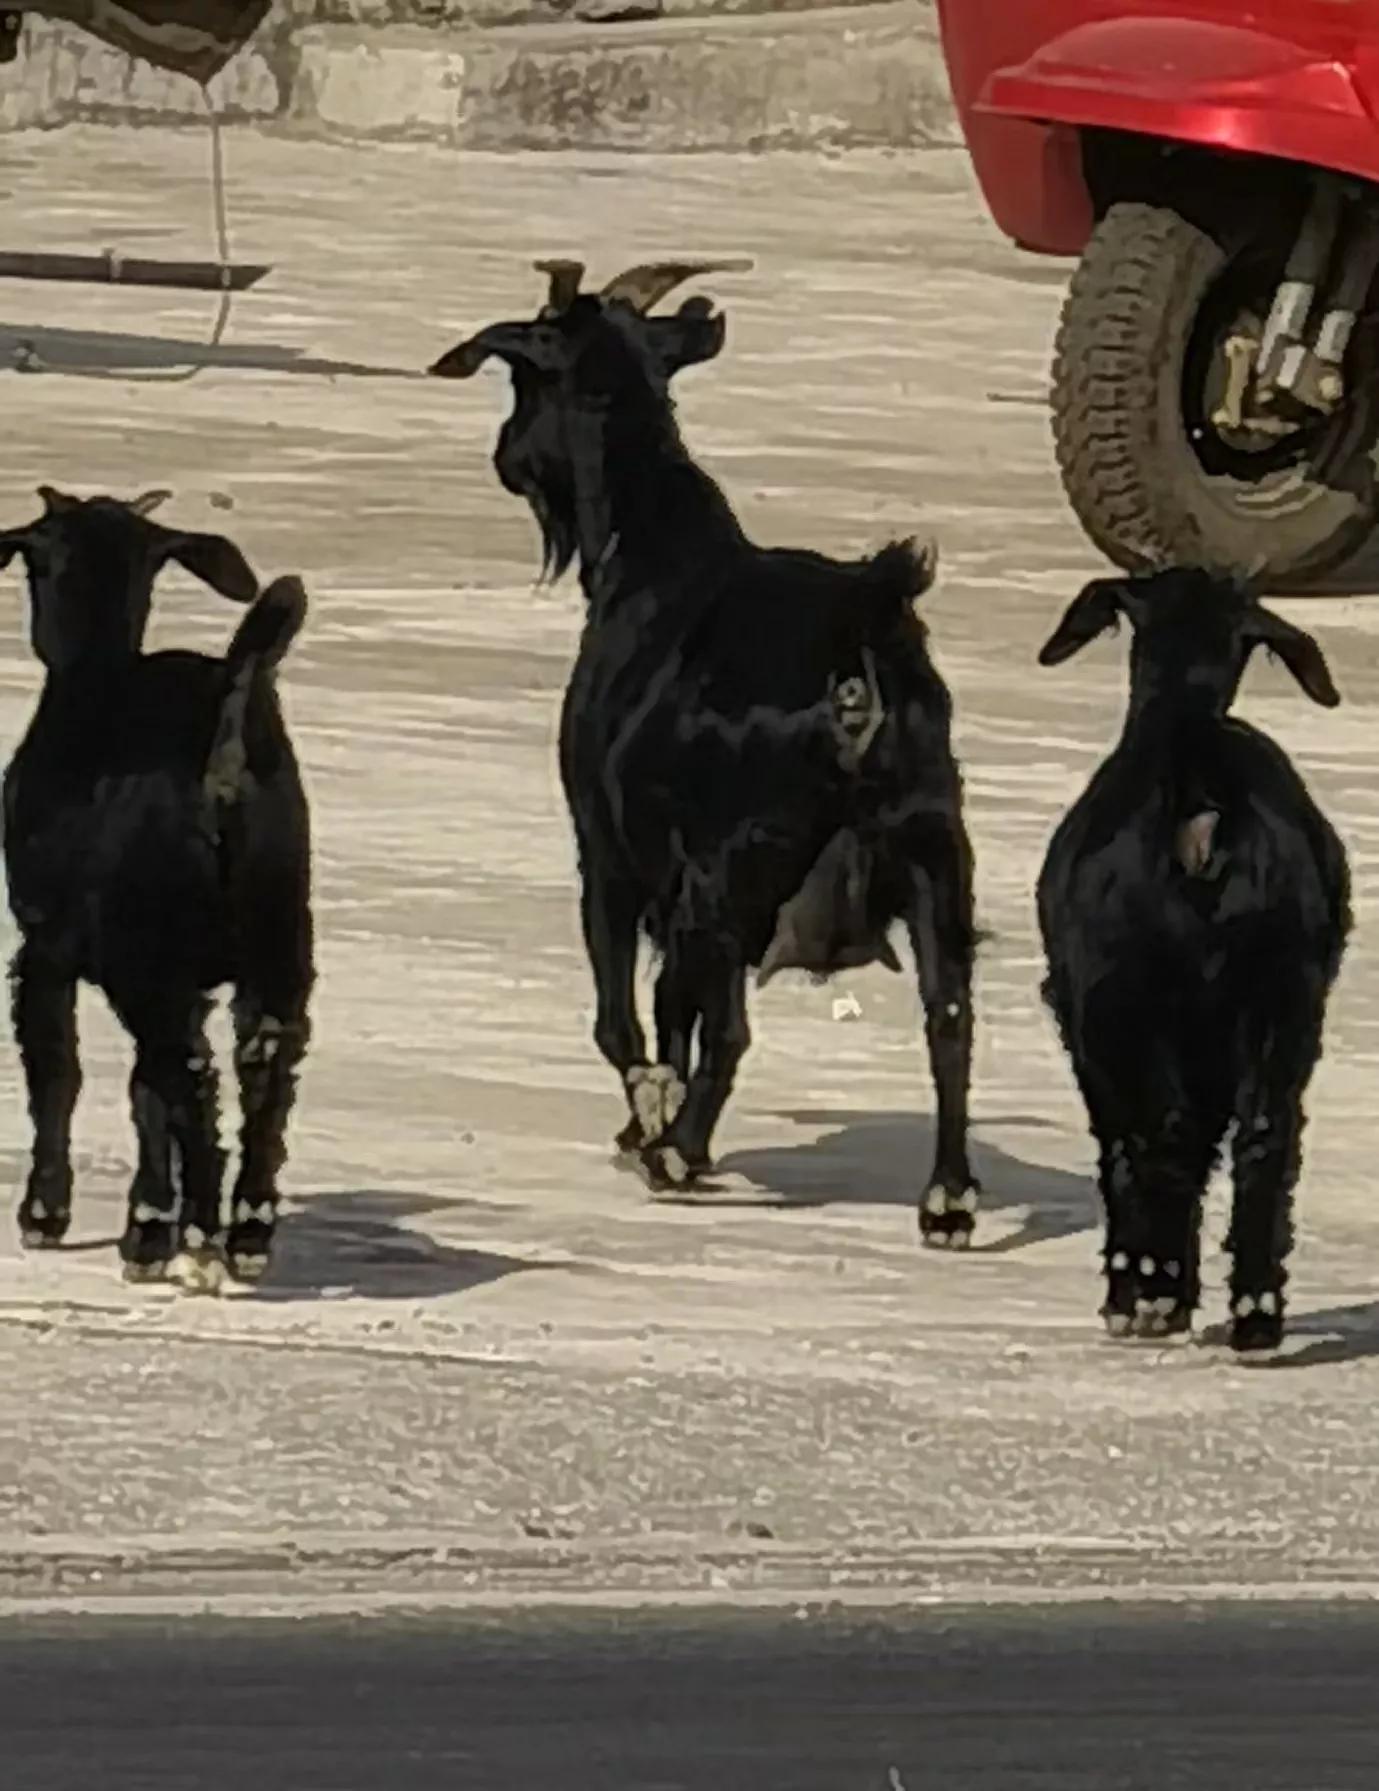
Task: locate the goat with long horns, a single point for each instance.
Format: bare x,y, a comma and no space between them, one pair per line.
754,745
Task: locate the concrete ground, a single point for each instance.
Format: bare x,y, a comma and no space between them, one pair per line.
485,1363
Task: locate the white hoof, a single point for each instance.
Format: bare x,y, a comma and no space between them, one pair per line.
657,1096
199,1271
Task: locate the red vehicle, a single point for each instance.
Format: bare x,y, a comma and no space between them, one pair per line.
1215,164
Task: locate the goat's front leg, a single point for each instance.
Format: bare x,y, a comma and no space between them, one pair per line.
610,915
1266,1154
682,1151
944,940
45,1027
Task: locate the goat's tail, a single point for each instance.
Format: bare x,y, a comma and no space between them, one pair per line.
272,624
900,572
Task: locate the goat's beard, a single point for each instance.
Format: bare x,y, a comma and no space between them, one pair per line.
545,483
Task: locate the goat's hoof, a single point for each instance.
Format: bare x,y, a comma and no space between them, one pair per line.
250,1237
666,1169
45,1211
1146,1298
42,1227
1256,1322
1149,1320
199,1269
657,1095
249,1266
947,1216
146,1249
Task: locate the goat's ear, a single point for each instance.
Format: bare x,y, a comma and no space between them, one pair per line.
214,560
695,333
11,541
1096,608
534,345
1298,651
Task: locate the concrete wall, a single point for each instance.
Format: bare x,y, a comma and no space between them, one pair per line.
549,74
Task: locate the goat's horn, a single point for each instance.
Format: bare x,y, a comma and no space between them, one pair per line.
644,286
148,501
564,277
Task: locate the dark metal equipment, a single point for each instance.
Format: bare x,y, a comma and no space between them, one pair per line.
121,270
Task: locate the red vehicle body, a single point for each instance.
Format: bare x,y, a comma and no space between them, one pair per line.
1068,107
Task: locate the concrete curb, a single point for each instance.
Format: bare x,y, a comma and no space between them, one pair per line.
855,75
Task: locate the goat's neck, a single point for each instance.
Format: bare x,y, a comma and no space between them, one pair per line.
88,683
1169,735
641,502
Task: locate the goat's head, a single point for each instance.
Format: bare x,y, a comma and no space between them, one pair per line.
584,352
1194,632
91,564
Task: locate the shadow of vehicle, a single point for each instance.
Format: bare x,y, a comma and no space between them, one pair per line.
44,351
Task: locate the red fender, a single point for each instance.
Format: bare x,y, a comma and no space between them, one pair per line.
1225,86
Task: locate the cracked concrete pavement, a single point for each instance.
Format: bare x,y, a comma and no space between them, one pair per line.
486,1363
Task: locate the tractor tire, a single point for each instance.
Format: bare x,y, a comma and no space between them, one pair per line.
1151,479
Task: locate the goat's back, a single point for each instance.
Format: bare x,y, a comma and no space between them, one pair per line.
114,846
1116,887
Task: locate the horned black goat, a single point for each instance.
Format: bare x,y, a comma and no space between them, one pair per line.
157,846
1194,906
754,745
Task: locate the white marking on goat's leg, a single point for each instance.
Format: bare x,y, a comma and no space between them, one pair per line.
657,1095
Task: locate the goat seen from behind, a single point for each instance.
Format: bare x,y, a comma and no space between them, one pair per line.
157,846
1194,906
754,744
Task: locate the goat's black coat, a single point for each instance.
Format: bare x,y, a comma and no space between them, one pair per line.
156,845
755,744
1194,906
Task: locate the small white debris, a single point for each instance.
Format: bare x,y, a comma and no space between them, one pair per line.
936,1201
1244,1306
1173,1270
1147,1266
847,1007
1268,1303
1120,1262
966,1202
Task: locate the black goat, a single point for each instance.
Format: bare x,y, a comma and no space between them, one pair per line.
1194,906
157,845
754,745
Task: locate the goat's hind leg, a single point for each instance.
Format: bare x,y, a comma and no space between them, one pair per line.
1276,1062
944,940
1157,1141
683,1151
272,1031
174,1097
610,916
270,1043
45,1026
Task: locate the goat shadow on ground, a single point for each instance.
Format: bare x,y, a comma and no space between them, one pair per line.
77,352
1335,1334
882,1159
352,1243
